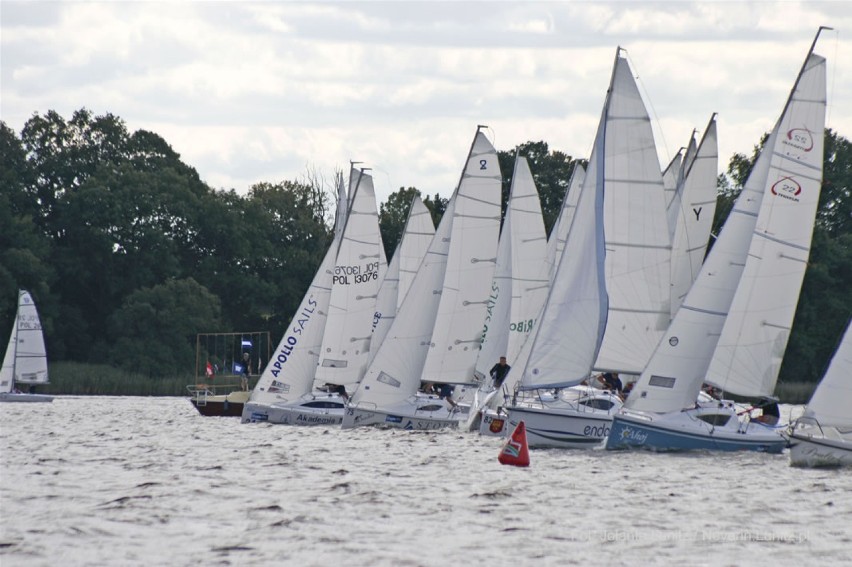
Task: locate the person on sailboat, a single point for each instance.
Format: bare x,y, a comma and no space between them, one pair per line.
499,371
245,371
339,389
711,391
770,414
611,382
445,392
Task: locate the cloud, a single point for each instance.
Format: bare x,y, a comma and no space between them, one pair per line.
249,92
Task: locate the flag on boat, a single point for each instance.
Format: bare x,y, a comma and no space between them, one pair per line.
209,370
515,451
246,343
238,368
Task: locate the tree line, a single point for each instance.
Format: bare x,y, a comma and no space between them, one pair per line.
129,254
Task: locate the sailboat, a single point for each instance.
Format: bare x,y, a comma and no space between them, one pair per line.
518,291
284,393
823,435
619,228
733,326
25,361
436,333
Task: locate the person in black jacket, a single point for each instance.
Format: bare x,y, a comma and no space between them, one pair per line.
499,371
611,382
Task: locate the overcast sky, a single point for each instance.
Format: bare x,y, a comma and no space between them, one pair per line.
266,91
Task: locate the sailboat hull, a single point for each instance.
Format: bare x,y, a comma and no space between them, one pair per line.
582,422
219,405
310,409
813,446
25,398
419,413
566,429
694,429
493,423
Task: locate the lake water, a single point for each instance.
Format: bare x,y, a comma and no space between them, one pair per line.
148,481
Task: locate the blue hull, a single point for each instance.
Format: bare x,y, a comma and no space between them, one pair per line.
626,434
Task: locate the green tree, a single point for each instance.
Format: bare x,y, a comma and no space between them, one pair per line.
551,172
65,154
154,329
731,183
24,251
286,238
393,214
835,207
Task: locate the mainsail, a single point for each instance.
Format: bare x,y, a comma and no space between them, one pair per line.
355,284
638,246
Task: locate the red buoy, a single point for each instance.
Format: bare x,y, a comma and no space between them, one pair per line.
515,451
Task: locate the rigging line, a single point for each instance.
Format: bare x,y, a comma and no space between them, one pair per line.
387,176
833,75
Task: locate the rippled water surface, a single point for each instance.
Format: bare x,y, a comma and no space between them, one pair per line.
148,481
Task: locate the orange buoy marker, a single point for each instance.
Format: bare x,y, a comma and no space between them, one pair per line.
515,451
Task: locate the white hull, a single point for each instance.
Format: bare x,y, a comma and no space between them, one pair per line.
709,427
493,423
580,422
310,409
25,398
418,412
812,446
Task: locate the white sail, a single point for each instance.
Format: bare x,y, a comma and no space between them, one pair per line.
386,304
470,268
521,271
673,204
25,361
559,232
290,372
566,339
7,371
670,177
498,314
696,207
749,352
355,284
638,246
832,398
394,373
418,233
